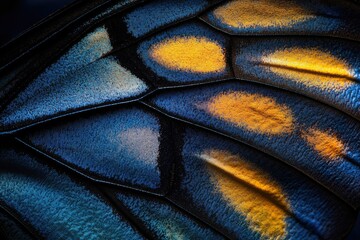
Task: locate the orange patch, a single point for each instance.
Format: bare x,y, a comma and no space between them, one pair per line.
249,190
261,13
193,54
254,112
326,144
310,67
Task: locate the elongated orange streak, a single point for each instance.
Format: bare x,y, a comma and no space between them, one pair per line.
252,111
251,192
311,67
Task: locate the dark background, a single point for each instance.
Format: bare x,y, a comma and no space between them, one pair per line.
18,15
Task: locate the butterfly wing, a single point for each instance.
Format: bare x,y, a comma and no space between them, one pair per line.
153,119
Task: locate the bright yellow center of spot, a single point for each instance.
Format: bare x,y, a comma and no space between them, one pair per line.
253,111
194,54
261,13
251,191
311,67
326,144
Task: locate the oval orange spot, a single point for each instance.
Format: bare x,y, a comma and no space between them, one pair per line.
253,111
261,13
325,143
311,67
251,191
199,55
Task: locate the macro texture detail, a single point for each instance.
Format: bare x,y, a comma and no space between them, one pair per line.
183,120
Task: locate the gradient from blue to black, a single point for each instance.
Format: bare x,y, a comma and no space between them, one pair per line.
18,15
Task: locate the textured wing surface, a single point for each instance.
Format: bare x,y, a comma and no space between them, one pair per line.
183,120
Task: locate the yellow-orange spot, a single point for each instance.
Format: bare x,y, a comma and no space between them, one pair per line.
261,13
251,191
253,111
194,54
311,67
326,144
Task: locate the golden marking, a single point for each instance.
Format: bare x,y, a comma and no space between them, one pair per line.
253,111
261,13
194,54
312,67
326,144
251,191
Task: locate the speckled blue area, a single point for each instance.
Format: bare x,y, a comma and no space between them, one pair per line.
55,205
314,209
155,14
342,177
98,145
103,81
333,18
164,220
87,50
249,53
196,29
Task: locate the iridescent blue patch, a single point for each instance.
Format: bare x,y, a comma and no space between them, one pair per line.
155,14
121,146
101,82
54,204
163,219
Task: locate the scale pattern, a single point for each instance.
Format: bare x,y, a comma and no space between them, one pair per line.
183,120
